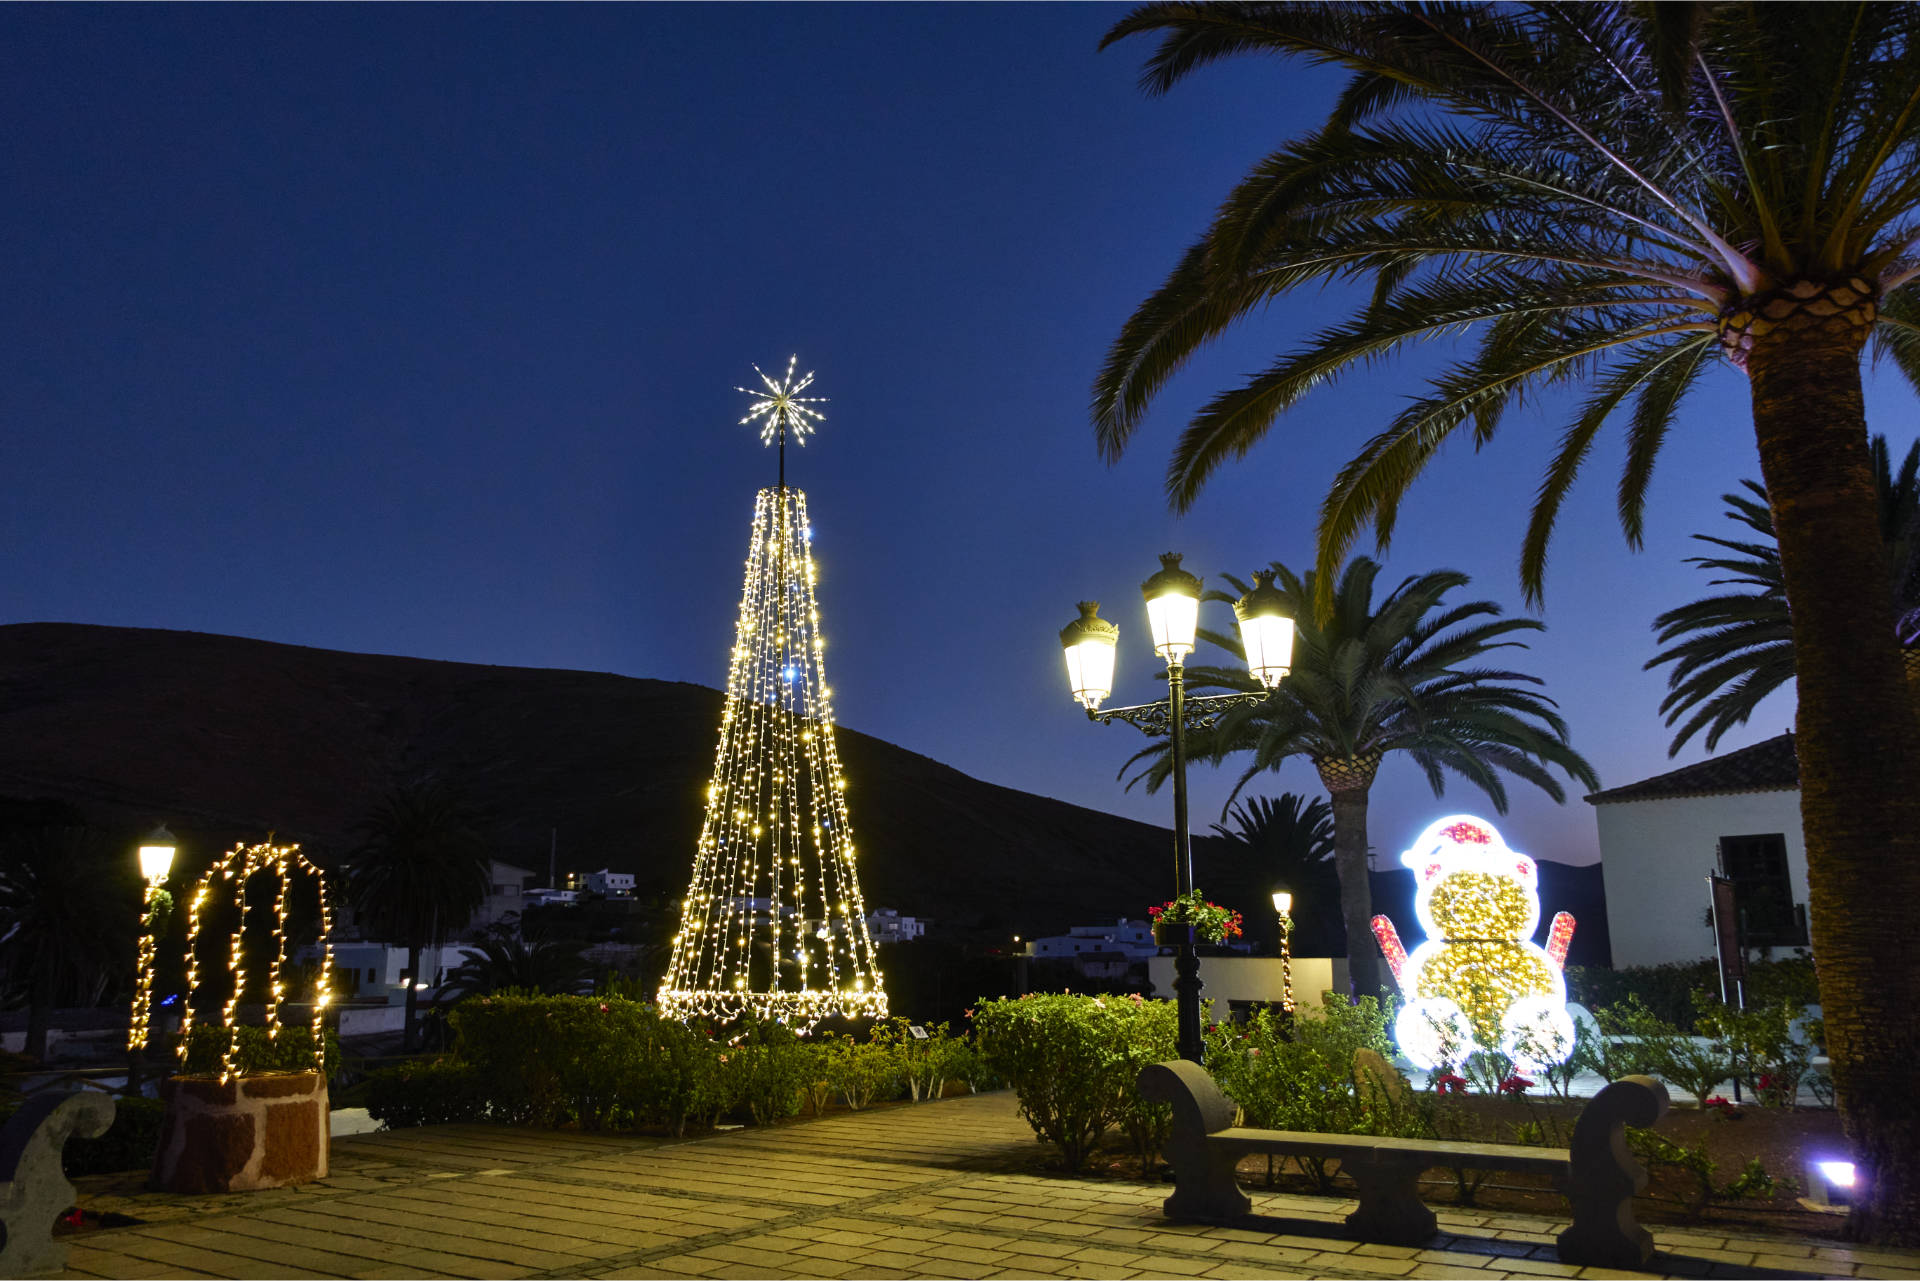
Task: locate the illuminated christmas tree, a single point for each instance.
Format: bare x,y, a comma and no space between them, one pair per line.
773,924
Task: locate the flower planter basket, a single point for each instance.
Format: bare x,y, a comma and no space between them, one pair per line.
1174,934
267,1131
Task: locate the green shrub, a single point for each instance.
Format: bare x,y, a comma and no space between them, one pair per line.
923,1064
1072,1061
1761,1044
1298,1074
425,1092
255,1051
1668,990
860,1071
598,1063
770,1066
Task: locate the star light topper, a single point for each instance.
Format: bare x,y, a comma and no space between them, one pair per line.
782,407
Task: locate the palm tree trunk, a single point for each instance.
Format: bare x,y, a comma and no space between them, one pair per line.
1356,893
1857,741
410,1035
40,1009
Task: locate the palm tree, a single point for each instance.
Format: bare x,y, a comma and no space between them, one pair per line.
1738,646
504,958
69,911
1372,679
1615,196
1290,841
418,874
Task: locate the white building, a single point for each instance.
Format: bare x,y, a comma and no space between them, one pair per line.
887,926
608,884
375,971
506,893
1737,815
1133,939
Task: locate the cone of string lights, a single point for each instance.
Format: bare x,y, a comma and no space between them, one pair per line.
773,925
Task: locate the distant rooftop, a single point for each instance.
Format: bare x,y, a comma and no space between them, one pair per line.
1770,766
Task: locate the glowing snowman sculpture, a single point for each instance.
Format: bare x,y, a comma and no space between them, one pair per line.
1479,981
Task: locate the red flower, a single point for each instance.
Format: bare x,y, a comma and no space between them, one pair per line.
1515,1084
1448,1083
1716,1101
74,1217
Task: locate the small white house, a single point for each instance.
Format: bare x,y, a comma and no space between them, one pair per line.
886,925
1132,939
608,884
1737,815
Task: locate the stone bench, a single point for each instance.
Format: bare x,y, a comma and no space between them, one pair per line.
33,1186
1597,1173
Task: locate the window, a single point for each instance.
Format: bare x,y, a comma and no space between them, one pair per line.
1763,887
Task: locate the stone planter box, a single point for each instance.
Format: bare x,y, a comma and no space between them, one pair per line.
253,1132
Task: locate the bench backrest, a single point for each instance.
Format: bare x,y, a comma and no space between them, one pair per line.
1198,1105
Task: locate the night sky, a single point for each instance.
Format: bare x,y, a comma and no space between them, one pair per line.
414,330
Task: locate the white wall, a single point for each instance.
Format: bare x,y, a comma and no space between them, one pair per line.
1251,978
1655,857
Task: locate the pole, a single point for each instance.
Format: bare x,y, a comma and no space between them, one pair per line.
1286,969
1186,962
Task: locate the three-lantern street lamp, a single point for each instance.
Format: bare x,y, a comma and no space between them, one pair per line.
1173,619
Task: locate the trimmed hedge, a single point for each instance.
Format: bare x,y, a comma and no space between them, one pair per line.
611,1062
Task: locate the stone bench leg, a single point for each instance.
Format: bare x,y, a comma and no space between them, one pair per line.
1391,1211
1603,1177
1204,1186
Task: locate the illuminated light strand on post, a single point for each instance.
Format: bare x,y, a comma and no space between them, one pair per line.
139,1027
242,864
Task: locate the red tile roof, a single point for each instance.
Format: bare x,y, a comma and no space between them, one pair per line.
1770,766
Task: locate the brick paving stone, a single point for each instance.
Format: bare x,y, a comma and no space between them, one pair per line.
1452,1259
1615,1274
887,1259
969,1254
1115,1258
1042,1249
1246,1272
1541,1267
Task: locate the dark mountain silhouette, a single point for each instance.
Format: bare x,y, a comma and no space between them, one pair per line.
226,738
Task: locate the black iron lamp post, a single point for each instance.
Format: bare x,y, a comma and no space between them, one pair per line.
1173,618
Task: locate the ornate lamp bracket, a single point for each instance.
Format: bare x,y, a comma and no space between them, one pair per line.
1155,720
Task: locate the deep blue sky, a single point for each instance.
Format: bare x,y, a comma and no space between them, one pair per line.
414,330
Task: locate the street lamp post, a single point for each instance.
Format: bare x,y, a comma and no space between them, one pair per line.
1173,618
1283,908
157,849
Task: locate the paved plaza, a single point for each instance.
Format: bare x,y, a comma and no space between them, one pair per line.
935,1190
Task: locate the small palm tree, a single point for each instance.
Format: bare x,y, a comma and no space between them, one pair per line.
1737,647
504,958
69,911
418,874
1290,840
1398,675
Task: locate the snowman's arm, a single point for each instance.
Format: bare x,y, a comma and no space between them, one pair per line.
1560,938
1389,939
